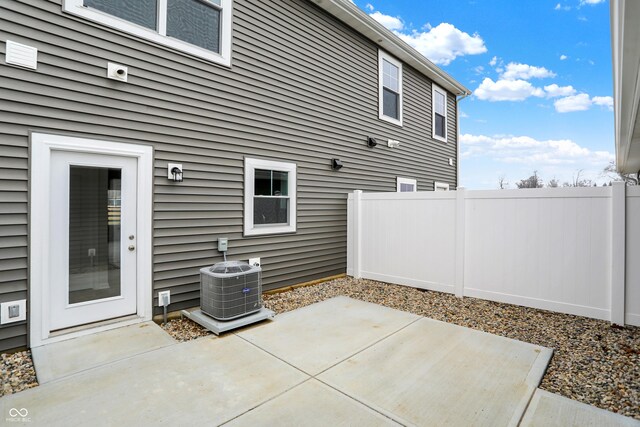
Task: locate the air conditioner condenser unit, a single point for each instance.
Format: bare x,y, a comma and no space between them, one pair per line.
229,290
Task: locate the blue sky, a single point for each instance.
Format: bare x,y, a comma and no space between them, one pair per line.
540,72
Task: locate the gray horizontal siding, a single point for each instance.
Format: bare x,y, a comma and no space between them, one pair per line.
13,232
302,88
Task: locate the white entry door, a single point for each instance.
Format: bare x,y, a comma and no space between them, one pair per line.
93,238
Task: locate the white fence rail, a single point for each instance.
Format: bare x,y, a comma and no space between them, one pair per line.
570,250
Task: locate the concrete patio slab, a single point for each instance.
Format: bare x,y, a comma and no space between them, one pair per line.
61,359
318,336
312,404
434,373
550,410
203,382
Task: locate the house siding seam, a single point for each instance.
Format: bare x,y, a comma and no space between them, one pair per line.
302,88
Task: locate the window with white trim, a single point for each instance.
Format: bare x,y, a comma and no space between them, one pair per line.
269,197
198,27
406,185
439,107
440,186
390,88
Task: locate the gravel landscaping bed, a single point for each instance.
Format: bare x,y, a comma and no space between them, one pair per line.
17,372
593,362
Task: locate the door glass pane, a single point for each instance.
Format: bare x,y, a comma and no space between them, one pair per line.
94,233
141,12
195,22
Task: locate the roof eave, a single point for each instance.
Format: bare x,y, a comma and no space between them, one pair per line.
356,18
626,81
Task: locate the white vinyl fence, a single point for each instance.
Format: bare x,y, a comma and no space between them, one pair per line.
571,250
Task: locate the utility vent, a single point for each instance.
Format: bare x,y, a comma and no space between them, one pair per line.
21,55
231,289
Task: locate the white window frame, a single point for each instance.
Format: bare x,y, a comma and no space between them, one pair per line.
250,166
400,181
440,186
383,56
438,89
76,7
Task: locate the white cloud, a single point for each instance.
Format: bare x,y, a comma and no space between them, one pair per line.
493,61
563,57
515,71
561,7
582,102
444,43
605,101
393,23
506,90
440,44
583,2
554,91
533,152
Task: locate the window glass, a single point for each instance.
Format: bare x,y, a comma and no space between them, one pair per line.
195,22
271,183
270,204
440,131
270,210
439,113
439,103
141,12
390,103
390,76
389,89
406,188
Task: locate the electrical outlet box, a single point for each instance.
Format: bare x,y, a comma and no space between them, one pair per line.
91,252
254,262
13,311
223,244
164,298
450,161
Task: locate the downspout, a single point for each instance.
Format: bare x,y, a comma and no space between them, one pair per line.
458,99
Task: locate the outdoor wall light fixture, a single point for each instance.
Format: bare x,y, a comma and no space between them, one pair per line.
336,164
371,142
174,172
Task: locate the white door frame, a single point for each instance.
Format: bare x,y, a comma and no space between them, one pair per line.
41,147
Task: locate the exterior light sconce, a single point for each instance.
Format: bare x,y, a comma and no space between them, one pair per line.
174,172
371,142
336,164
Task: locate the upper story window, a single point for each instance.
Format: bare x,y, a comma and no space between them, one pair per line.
390,88
439,100
269,197
406,185
198,27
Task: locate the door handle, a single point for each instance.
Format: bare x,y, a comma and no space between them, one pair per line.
132,248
